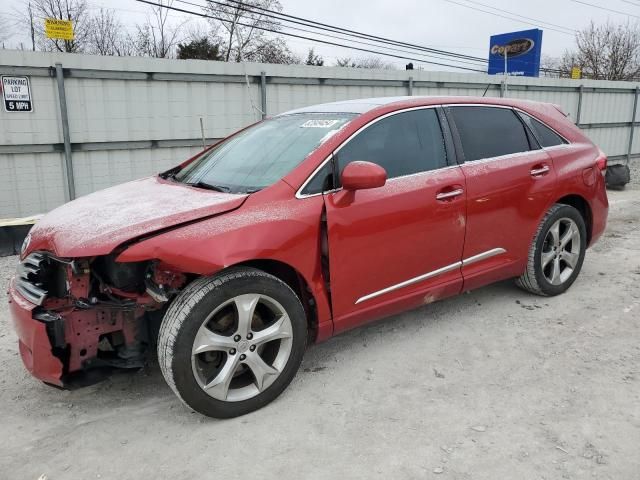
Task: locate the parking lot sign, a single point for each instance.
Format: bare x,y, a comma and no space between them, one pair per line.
16,94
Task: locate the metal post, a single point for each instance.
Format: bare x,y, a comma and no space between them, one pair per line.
506,72
633,124
410,89
67,170
263,94
579,112
204,145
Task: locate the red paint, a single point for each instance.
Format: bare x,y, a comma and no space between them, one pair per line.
362,176
505,204
387,235
33,342
377,237
97,223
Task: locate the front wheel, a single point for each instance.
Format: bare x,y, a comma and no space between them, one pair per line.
556,253
232,343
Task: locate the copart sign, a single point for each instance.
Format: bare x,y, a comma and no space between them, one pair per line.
516,53
16,94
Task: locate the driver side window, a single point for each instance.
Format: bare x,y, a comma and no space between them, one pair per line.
403,144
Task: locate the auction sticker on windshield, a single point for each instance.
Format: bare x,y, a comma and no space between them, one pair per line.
319,123
16,93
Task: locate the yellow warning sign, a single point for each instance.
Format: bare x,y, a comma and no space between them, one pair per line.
576,73
58,29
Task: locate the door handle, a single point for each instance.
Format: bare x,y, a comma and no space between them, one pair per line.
449,194
539,171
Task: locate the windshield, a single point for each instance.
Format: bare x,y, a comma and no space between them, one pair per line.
262,154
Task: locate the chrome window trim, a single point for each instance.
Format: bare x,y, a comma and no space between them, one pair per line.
467,261
512,108
566,142
515,109
299,193
401,177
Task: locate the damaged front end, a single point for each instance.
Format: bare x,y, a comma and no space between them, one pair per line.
72,315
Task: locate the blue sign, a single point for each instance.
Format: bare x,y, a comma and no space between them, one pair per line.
522,50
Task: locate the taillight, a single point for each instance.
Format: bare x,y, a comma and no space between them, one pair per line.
601,162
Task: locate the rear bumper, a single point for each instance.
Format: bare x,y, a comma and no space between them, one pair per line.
33,340
599,211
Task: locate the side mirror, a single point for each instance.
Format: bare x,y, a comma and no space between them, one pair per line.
363,175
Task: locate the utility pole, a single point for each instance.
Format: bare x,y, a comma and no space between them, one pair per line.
506,71
33,30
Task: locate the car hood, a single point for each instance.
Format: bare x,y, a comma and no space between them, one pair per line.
97,223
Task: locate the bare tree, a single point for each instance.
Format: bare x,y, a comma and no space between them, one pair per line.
108,36
314,59
367,62
242,24
158,36
32,27
273,50
607,52
5,28
37,11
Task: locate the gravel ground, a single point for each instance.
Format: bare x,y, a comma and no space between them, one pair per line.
493,384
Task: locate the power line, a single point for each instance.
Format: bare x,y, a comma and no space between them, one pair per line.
337,29
437,56
323,26
309,38
631,3
247,7
377,52
605,8
508,18
522,16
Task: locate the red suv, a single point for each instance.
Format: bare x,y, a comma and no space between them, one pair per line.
300,227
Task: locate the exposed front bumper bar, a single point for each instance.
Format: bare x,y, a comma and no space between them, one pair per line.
33,340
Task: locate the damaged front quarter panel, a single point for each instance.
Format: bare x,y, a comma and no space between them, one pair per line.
283,230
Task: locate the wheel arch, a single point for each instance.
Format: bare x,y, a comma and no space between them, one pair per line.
296,281
582,205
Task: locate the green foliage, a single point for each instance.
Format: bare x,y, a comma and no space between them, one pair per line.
199,49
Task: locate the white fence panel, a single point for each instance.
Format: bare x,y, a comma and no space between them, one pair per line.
131,117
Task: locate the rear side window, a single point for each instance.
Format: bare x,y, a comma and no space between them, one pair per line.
487,132
546,136
402,144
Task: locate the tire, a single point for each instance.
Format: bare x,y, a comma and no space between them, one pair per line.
541,276
226,374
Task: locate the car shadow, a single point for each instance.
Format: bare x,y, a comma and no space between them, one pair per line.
145,387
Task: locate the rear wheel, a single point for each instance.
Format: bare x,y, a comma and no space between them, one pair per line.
232,343
557,252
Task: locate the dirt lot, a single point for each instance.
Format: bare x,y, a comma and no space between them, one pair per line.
494,384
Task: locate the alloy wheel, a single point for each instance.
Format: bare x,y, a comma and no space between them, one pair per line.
560,251
242,347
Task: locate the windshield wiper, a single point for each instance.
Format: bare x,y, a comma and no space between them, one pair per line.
208,186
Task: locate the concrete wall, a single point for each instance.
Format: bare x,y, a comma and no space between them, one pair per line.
130,117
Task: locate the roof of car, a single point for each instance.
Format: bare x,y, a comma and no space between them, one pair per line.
364,105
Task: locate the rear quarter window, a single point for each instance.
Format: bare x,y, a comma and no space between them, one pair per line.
487,132
546,136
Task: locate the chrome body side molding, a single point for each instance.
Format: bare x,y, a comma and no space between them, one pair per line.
467,261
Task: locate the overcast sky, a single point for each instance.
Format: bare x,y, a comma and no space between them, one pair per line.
440,24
